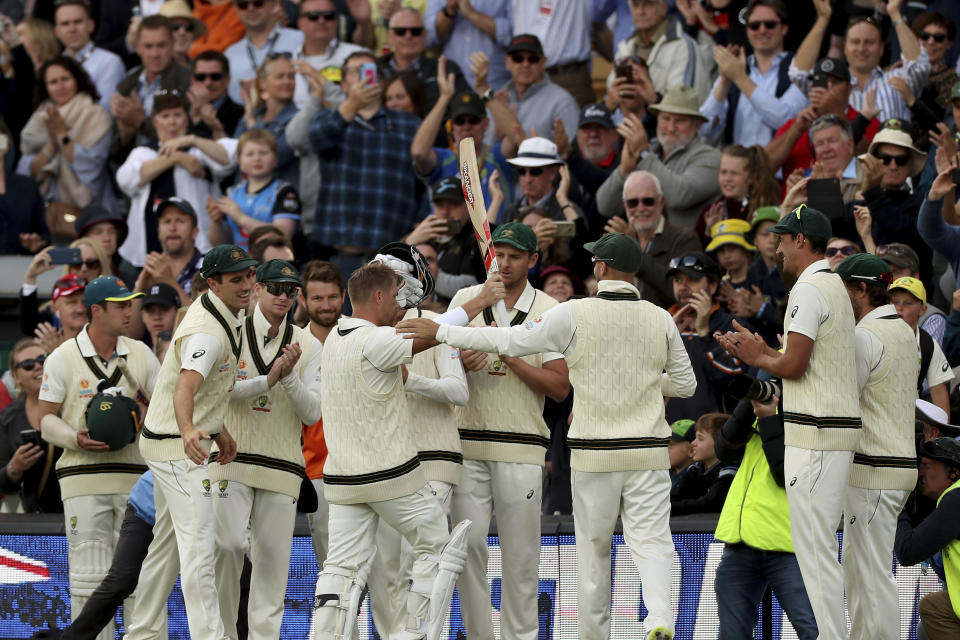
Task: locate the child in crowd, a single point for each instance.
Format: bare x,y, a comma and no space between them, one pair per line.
261,199
704,486
681,439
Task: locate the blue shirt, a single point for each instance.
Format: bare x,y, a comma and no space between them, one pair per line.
141,499
104,67
276,200
466,38
493,158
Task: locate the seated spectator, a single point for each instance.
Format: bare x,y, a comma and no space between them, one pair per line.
264,38
753,90
109,231
910,299
179,259
683,161
832,140
158,312
537,100
537,166
212,113
680,448
185,26
181,167
671,55
733,253
66,143
904,263
790,150
703,487
272,247
73,26
560,283
936,33
22,209
660,239
133,104
863,50
838,249
746,184
26,470
461,30
321,51
262,198
66,315
223,26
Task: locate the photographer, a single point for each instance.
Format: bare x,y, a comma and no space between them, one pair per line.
755,525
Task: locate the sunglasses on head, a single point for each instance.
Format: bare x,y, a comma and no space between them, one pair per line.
936,37
633,203
276,55
462,120
183,26
534,171
890,250
313,16
203,77
168,92
243,5
532,58
278,289
690,262
30,363
886,159
770,25
847,250
402,31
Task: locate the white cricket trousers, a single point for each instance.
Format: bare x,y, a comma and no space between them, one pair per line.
390,573
417,516
513,492
271,517
318,523
187,491
869,527
642,499
816,484
158,574
93,528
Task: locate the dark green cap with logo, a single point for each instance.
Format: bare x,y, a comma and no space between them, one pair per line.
278,271
810,222
864,267
113,420
619,251
517,235
226,258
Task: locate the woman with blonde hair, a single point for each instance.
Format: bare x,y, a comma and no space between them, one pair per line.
38,40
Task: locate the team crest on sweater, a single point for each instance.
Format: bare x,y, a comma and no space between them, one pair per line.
496,368
262,403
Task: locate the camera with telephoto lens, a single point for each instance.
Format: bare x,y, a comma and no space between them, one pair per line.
749,388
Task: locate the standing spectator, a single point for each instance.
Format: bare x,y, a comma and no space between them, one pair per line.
670,54
936,33
158,314
863,49
321,49
753,90
264,37
838,249
564,30
831,137
179,259
223,26
22,209
369,194
684,162
74,27
185,26
462,29
762,301
108,230
538,101
132,104
212,113
66,143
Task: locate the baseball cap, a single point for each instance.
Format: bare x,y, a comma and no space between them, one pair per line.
163,295
278,271
536,152
864,267
68,285
911,285
619,251
900,255
761,215
448,188
107,289
810,222
525,42
695,263
178,203
935,416
517,235
113,419
226,258
730,231
93,214
945,450
683,430
469,103
597,113
559,268
832,67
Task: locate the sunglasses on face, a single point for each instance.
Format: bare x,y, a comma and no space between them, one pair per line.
183,26
533,171
633,203
532,58
203,77
92,263
462,120
282,289
313,16
886,159
848,250
30,363
402,31
243,5
769,24
936,37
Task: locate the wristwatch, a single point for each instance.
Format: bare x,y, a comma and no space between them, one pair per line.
486,96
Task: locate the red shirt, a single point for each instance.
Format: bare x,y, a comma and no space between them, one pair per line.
801,156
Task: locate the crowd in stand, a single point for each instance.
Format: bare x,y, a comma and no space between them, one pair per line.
142,134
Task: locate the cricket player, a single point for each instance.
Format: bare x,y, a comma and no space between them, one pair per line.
365,407
618,348
277,389
821,404
187,414
885,463
94,481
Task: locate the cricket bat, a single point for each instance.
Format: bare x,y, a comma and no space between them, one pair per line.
473,194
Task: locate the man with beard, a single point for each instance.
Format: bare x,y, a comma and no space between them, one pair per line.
821,404
322,297
180,259
683,161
